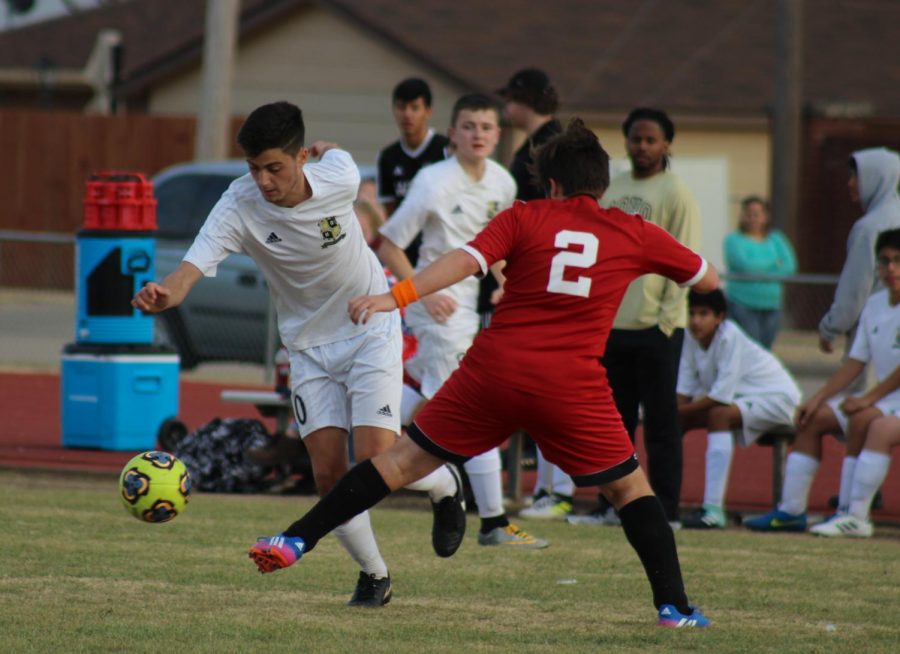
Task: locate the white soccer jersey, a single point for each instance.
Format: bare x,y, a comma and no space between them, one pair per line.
313,255
878,336
734,366
449,208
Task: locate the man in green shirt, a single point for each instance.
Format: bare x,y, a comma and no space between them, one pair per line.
645,344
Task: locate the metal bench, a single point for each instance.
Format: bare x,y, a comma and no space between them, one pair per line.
778,439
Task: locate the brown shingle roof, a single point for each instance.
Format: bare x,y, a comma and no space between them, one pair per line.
701,57
693,56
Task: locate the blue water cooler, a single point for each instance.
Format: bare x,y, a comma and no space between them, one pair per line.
118,389
111,267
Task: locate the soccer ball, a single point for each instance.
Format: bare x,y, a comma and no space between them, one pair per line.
155,486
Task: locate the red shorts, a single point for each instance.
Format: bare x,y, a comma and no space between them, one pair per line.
578,428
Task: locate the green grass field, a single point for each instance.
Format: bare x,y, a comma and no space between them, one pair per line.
78,574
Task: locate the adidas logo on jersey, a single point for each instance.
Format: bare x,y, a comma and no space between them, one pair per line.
385,411
272,238
457,209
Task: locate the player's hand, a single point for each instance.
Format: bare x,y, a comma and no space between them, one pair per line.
805,411
439,306
496,296
362,308
854,404
319,148
153,298
826,345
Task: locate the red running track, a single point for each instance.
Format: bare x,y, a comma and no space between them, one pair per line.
30,438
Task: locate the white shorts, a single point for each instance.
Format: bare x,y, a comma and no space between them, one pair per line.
761,413
350,383
441,347
889,406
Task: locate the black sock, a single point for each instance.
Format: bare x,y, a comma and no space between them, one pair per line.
649,533
361,488
489,524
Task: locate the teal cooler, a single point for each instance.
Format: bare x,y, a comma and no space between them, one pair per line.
117,397
110,268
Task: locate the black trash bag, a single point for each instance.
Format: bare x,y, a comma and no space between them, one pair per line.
215,455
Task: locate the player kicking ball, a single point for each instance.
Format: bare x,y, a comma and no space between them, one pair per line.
537,367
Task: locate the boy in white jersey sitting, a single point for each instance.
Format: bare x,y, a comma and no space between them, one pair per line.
732,386
830,412
450,202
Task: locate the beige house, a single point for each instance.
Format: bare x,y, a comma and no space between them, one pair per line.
710,65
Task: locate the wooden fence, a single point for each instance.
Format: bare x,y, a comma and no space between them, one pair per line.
48,156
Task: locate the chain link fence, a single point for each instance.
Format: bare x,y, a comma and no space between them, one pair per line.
37,312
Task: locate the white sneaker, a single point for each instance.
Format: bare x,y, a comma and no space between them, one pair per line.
548,507
844,524
608,517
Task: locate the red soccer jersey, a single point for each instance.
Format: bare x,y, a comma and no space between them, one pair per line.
568,264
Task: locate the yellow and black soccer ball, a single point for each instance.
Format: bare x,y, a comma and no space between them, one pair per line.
155,486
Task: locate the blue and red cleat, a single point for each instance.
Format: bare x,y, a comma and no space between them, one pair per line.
277,552
671,617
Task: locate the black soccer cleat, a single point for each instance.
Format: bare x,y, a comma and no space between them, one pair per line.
449,524
371,592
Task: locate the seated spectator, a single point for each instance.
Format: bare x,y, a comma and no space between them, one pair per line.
756,249
869,473
730,386
828,412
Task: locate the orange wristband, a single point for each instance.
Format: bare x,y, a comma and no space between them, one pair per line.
404,293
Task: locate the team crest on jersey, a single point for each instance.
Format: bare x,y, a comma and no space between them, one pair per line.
492,208
331,231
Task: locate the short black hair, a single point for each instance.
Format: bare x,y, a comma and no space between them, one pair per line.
473,102
276,125
575,159
714,300
532,87
888,239
410,89
656,115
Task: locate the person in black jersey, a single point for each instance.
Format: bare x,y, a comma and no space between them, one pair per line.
417,146
531,102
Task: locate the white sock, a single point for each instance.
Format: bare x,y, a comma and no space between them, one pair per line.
544,479
562,483
358,539
551,479
484,476
871,470
798,477
409,402
847,467
438,484
719,452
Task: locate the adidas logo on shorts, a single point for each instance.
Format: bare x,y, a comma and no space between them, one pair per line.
272,238
385,411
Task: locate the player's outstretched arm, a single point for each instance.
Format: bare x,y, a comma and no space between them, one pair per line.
446,271
154,297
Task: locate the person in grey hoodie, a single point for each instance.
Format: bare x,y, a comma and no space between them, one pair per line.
874,175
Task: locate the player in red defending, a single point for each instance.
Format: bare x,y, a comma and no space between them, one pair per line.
537,367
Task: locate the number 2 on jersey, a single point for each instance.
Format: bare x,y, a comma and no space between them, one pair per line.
567,258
